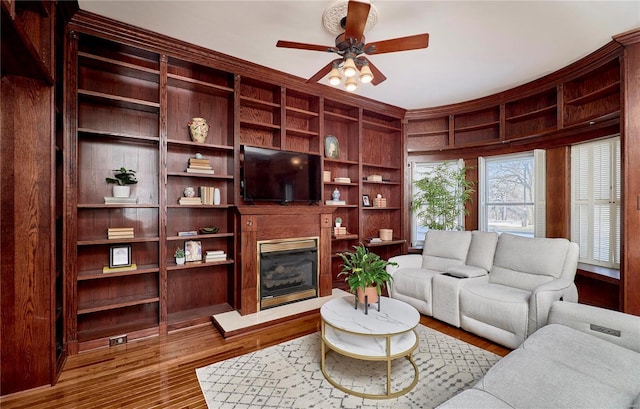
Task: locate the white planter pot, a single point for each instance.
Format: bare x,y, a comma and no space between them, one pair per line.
180,260
121,191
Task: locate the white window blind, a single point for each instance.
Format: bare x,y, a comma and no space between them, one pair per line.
595,201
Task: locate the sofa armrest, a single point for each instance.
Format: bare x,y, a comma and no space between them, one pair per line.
543,296
614,326
405,261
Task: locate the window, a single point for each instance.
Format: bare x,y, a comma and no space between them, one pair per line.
595,201
418,171
512,194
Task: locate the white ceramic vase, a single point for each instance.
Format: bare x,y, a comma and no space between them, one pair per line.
216,196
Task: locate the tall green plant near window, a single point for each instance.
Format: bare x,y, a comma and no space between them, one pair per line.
441,197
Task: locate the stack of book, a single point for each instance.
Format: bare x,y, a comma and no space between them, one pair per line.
118,233
337,231
206,194
342,180
215,255
335,202
379,202
187,233
199,166
190,201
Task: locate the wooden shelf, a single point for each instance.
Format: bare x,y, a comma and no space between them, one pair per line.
384,182
385,243
339,117
200,236
191,84
259,125
118,67
533,114
379,166
380,208
258,103
345,237
95,133
122,102
478,127
191,144
301,113
179,206
112,241
198,264
380,127
301,132
117,206
427,133
341,161
199,175
115,303
595,95
99,275
180,319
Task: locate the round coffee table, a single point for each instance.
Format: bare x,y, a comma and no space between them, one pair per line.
382,335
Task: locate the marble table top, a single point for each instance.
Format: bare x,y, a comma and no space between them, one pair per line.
395,317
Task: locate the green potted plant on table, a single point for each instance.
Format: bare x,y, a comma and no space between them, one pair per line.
365,272
123,177
179,255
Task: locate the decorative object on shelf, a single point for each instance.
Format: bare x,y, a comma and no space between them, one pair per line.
338,221
120,256
374,178
335,195
365,201
442,195
363,269
119,233
189,192
326,176
331,147
179,255
342,180
122,179
209,230
379,201
386,234
193,250
198,129
216,196
198,155
187,233
350,45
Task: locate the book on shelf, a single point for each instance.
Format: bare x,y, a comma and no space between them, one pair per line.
335,202
190,201
199,167
222,257
199,162
206,171
214,252
342,180
107,269
187,233
119,236
375,240
206,193
120,200
117,229
120,233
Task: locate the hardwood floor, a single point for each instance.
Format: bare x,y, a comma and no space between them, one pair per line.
160,372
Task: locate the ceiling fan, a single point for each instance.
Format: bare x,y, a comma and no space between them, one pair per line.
350,46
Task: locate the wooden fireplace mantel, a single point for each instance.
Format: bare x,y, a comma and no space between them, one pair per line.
269,222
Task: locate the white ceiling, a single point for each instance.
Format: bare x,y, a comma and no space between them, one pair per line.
476,48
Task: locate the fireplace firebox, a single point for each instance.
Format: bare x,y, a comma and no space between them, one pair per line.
287,271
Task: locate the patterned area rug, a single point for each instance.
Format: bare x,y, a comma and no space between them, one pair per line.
288,375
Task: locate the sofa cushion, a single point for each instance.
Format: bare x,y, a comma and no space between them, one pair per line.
497,305
530,380
609,363
527,263
443,249
413,282
474,398
482,249
465,271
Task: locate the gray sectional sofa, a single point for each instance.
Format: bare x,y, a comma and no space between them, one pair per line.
497,286
585,357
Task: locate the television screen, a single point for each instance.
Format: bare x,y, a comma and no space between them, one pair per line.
280,176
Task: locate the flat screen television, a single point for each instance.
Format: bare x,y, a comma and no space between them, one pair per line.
271,175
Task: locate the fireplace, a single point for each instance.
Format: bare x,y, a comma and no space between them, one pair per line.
287,271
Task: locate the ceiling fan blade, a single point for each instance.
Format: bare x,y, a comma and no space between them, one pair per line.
305,46
378,76
323,71
357,14
398,44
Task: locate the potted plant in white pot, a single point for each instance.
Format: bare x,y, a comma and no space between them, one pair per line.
179,255
365,273
121,181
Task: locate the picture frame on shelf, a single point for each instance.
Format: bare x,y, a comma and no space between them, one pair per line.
331,147
193,250
366,202
120,256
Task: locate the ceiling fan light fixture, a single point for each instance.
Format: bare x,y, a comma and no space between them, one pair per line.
349,69
334,77
351,84
366,76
